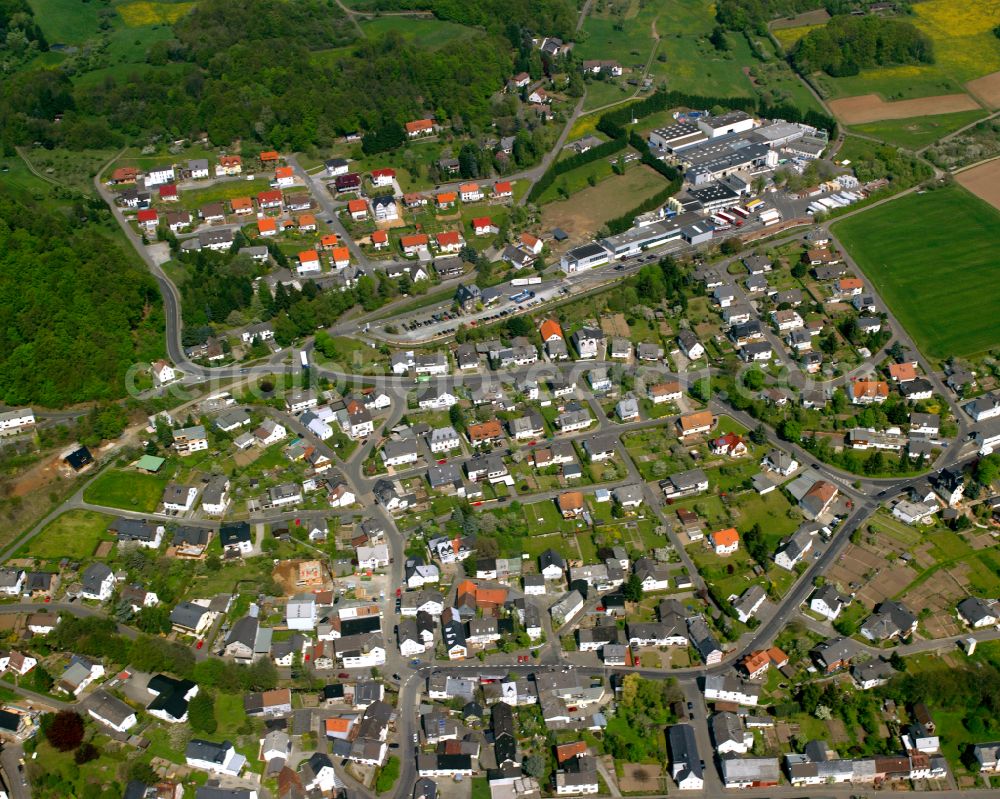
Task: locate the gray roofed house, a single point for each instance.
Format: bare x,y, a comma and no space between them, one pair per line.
188,617
749,603
685,761
834,654
977,613
890,620
872,673
745,772
444,476
628,496
703,640
95,581
110,710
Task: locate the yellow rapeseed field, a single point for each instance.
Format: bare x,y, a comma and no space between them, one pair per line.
141,13
789,36
964,44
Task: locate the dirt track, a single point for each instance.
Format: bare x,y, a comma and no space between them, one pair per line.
872,108
983,181
987,89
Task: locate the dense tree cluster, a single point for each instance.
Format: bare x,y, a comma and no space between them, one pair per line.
848,44
78,312
544,17
636,734
248,70
20,37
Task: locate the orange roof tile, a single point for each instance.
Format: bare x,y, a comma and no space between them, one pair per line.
665,388
870,388
414,240
550,328
850,283
446,197
418,125
238,203
338,725
491,596
269,155
755,661
329,240
903,372
308,255
692,421
449,237
481,221
357,205
725,538
283,172
484,430
571,500
267,225
566,751
305,220
341,254
380,237
502,187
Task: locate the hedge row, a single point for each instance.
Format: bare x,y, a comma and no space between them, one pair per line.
613,122
604,150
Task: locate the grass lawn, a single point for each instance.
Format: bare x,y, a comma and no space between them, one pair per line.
71,168
694,65
544,517
577,180
939,279
16,175
604,92
430,33
353,353
480,788
629,43
66,21
127,490
59,765
193,199
772,511
73,535
919,131
229,713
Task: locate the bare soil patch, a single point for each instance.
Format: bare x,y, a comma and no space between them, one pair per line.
817,17
872,108
641,778
983,181
588,210
986,89
859,567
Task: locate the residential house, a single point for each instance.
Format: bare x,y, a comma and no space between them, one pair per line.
97,582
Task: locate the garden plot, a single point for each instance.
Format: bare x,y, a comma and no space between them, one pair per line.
858,566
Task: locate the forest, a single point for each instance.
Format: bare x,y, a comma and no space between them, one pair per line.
78,311
848,44
249,70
